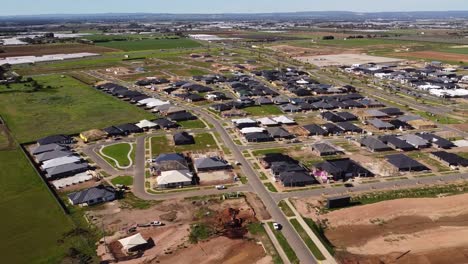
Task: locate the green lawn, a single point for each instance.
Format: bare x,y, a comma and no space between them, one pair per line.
67,107
307,240
320,233
262,152
438,118
32,221
119,152
263,110
192,124
203,141
150,44
160,144
285,208
125,180
284,244
270,187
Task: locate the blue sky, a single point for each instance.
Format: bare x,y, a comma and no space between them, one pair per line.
27,7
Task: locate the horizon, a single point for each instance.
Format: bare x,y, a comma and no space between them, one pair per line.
87,7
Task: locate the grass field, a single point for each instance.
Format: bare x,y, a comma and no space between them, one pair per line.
439,119
68,107
125,180
284,244
119,152
150,44
307,240
203,141
191,124
285,208
263,110
32,221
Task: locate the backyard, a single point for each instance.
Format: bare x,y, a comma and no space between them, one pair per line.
63,105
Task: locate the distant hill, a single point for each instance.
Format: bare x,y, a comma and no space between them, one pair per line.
313,15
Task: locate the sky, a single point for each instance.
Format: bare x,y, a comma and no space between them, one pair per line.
33,7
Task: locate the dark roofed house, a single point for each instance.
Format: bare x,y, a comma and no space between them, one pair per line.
341,169
53,155
94,195
55,139
165,123
349,127
315,130
332,117
398,124
129,128
170,161
258,137
271,158
373,144
66,170
211,164
181,116
332,129
450,159
392,111
263,100
437,141
289,108
381,125
324,149
405,163
347,116
183,138
278,132
113,131
47,148
296,178
396,143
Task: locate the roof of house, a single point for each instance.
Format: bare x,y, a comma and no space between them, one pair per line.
53,155
380,124
348,126
332,128
60,161
291,178
132,241
266,121
332,117
324,147
315,129
146,124
414,140
174,176
112,130
436,140
375,113
270,158
396,142
278,132
92,193
339,166
130,128
391,111
284,120
403,162
183,138
169,157
165,123
374,144
451,158
181,116
211,163
406,118
243,120
47,148
248,130
70,167
258,136
289,108
53,139
346,116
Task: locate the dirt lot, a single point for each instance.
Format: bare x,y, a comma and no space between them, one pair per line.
345,59
435,55
171,241
36,50
428,230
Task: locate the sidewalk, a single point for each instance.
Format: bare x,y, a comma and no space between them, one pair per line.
329,259
275,243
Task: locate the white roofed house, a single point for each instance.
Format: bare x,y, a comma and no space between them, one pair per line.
174,178
284,120
60,161
145,124
266,121
247,130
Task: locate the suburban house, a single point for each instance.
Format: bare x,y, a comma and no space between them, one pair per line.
53,155
48,148
60,161
55,139
394,142
165,123
258,137
92,196
381,125
340,169
279,132
436,141
210,164
288,171
146,124
392,111
129,128
169,161
450,159
349,127
266,121
404,163
113,131
183,138
174,178
66,170
415,141
315,130
181,116
373,144
325,149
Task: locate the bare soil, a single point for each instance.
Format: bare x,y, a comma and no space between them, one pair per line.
423,230
295,51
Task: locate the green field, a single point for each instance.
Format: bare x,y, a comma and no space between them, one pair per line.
263,110
125,180
285,208
284,244
203,141
67,107
150,44
191,124
32,221
119,152
307,240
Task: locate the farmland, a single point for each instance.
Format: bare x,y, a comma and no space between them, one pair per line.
67,106
45,49
150,44
35,221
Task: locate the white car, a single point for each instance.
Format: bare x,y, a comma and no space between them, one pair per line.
156,223
220,187
277,226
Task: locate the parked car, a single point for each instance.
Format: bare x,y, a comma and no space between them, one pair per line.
277,226
348,184
220,187
156,223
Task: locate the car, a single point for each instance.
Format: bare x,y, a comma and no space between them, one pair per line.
220,187
150,160
156,223
277,226
237,162
348,185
